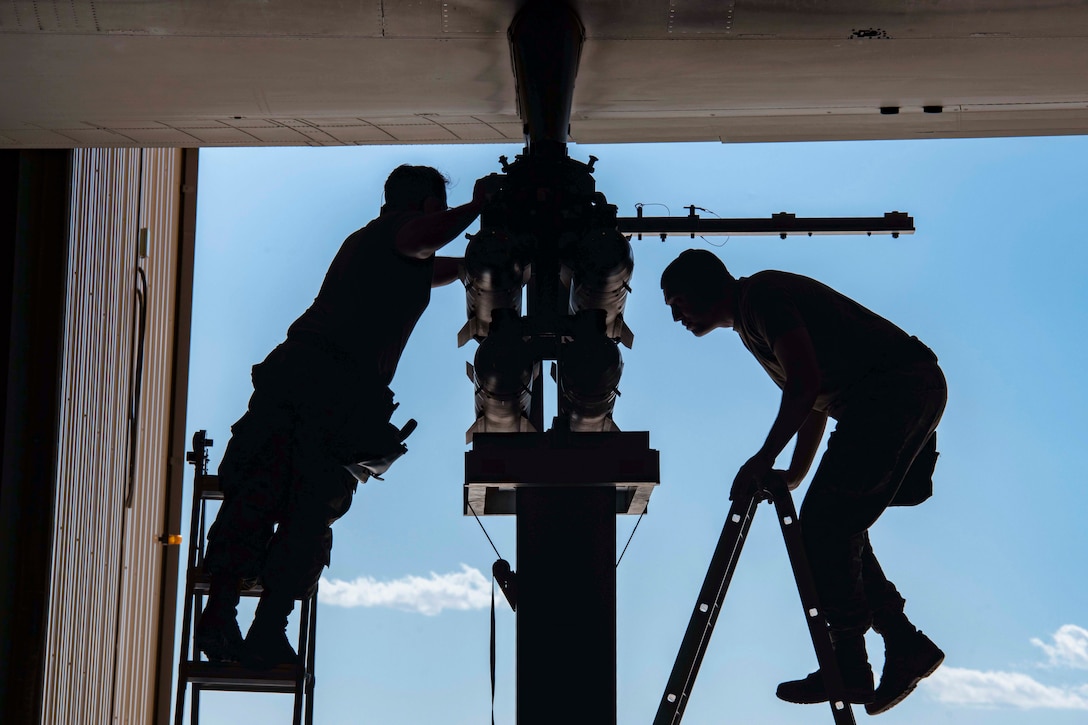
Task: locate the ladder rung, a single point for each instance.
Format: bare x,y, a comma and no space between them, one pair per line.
207,487
200,581
232,677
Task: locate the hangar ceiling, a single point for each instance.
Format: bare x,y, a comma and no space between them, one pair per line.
329,72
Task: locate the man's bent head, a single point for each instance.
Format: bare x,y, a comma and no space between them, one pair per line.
409,186
696,286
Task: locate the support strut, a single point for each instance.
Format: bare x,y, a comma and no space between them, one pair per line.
545,45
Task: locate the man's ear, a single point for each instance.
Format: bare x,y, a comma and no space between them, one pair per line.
432,205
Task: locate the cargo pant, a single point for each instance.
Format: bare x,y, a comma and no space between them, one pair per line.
282,473
885,428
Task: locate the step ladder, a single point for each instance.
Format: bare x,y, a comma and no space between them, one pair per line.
193,669
712,595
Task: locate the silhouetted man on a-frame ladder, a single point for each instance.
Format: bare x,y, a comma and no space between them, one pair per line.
833,358
320,408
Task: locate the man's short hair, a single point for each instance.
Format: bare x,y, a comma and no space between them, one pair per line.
698,275
408,186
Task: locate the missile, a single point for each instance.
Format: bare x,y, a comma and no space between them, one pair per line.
600,268
503,378
494,274
589,375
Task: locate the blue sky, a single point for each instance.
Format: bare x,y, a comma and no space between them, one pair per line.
993,281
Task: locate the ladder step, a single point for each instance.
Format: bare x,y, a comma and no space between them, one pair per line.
233,677
207,487
199,581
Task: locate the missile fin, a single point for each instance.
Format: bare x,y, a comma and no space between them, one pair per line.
476,427
466,333
626,336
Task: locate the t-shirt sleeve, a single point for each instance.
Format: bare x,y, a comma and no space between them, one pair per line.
772,311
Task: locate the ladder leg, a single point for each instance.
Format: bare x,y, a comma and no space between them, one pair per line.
311,661
300,683
187,619
701,625
179,704
806,587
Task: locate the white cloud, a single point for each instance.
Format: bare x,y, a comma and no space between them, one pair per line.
1070,648
955,686
466,589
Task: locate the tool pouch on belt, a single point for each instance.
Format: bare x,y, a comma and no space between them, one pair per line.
917,485
386,449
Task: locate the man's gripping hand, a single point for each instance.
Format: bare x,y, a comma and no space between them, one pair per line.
487,187
749,478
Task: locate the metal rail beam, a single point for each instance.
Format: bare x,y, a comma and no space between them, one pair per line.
782,224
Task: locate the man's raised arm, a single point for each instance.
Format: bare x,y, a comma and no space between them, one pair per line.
423,236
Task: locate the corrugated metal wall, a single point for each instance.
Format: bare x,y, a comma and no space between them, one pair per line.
107,558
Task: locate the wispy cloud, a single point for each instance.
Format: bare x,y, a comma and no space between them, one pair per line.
1070,648
465,589
955,686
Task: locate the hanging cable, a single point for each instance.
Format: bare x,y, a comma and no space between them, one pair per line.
481,523
138,335
708,211
501,573
629,539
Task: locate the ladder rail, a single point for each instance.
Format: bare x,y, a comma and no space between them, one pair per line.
196,539
701,625
806,589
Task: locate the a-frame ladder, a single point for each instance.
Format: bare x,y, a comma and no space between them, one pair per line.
195,672
712,595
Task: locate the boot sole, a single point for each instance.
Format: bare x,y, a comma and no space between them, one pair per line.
854,698
875,708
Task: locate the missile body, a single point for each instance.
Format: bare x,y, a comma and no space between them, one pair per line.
495,274
503,377
588,382
600,266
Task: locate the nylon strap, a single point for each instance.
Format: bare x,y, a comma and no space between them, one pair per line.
493,649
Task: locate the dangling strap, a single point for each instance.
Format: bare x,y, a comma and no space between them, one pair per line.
492,650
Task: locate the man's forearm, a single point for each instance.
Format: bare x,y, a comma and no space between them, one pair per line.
804,449
793,411
446,270
423,236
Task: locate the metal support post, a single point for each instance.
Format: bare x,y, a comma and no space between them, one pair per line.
566,624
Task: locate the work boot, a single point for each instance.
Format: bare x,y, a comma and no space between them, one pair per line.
217,634
908,658
266,644
857,677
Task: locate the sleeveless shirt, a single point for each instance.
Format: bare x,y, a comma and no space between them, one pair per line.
369,302
849,340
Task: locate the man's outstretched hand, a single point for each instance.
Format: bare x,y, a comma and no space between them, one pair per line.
487,187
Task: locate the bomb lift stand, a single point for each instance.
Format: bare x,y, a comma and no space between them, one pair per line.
712,595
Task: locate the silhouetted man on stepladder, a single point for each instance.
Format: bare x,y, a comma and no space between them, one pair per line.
831,357
321,406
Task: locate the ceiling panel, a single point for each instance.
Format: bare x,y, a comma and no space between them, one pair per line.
321,72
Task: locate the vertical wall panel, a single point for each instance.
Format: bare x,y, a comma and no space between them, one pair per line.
107,558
